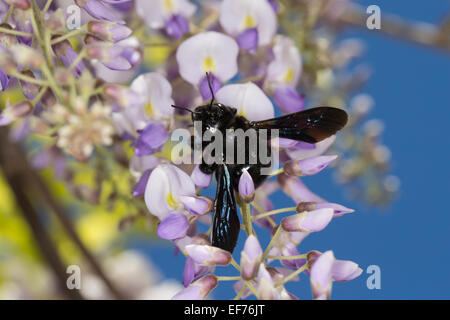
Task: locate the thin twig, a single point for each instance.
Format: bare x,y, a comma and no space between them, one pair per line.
415,32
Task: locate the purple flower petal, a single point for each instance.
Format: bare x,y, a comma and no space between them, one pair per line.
204,86
248,39
177,26
289,249
172,227
288,99
150,139
139,189
68,55
193,271
98,10
109,30
274,5
200,179
4,79
297,190
197,205
305,145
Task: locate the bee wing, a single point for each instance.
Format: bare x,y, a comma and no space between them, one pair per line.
312,125
226,225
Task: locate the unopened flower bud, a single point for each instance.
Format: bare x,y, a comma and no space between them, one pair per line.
198,290
7,64
338,210
111,31
208,255
26,56
307,167
246,187
63,76
98,50
251,257
321,276
308,221
6,39
56,21
122,95
20,4
15,112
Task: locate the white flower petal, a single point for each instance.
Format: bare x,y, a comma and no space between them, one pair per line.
165,186
156,12
248,99
157,91
238,15
286,68
208,52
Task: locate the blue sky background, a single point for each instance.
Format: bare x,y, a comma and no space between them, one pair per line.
410,241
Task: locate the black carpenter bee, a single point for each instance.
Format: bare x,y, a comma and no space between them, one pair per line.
311,126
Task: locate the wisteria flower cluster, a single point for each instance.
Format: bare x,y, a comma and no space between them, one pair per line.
103,93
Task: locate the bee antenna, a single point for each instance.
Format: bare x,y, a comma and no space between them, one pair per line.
211,89
183,108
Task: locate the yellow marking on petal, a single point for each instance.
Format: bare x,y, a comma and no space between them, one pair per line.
289,75
208,64
149,109
249,22
171,201
168,5
241,112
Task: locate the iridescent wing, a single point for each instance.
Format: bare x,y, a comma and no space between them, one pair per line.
312,125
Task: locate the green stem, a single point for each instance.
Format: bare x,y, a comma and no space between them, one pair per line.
252,289
52,83
73,33
271,213
272,241
9,13
299,256
80,56
16,32
39,95
48,48
261,211
26,78
47,6
292,275
235,264
36,22
239,295
231,278
277,172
